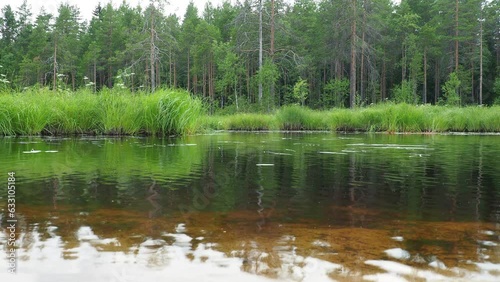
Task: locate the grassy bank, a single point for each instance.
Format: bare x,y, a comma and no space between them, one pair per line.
109,112
116,112
383,117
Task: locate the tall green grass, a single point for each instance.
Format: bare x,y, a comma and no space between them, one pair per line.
165,112
110,112
243,121
387,117
300,118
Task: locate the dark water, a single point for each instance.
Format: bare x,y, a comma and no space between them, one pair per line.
252,207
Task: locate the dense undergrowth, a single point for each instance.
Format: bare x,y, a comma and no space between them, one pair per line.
113,112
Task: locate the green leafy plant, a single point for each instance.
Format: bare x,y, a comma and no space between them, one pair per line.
403,93
336,93
450,90
496,90
301,91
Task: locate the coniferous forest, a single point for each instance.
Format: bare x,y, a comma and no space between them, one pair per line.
264,53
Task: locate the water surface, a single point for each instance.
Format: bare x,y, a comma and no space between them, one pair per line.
255,207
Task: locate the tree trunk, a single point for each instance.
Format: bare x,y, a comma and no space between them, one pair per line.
40,77
425,77
248,81
175,75
110,55
54,82
260,51
436,83
195,83
456,35
362,71
353,56
132,84
152,55
110,76
372,82
403,63
73,82
236,93
95,75
472,81
204,81
146,75
158,73
383,80
212,77
188,74
338,69
481,59
170,67
271,51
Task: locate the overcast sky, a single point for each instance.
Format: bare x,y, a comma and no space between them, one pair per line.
87,6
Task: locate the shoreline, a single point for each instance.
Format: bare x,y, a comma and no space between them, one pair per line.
118,136
171,112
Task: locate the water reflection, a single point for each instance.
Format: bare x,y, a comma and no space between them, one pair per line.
108,244
294,207
152,198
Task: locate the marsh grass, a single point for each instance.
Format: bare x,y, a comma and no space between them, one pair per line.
29,116
75,115
404,118
245,121
178,112
300,118
6,111
169,111
491,119
386,117
111,112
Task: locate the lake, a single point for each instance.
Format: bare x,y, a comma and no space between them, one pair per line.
254,207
